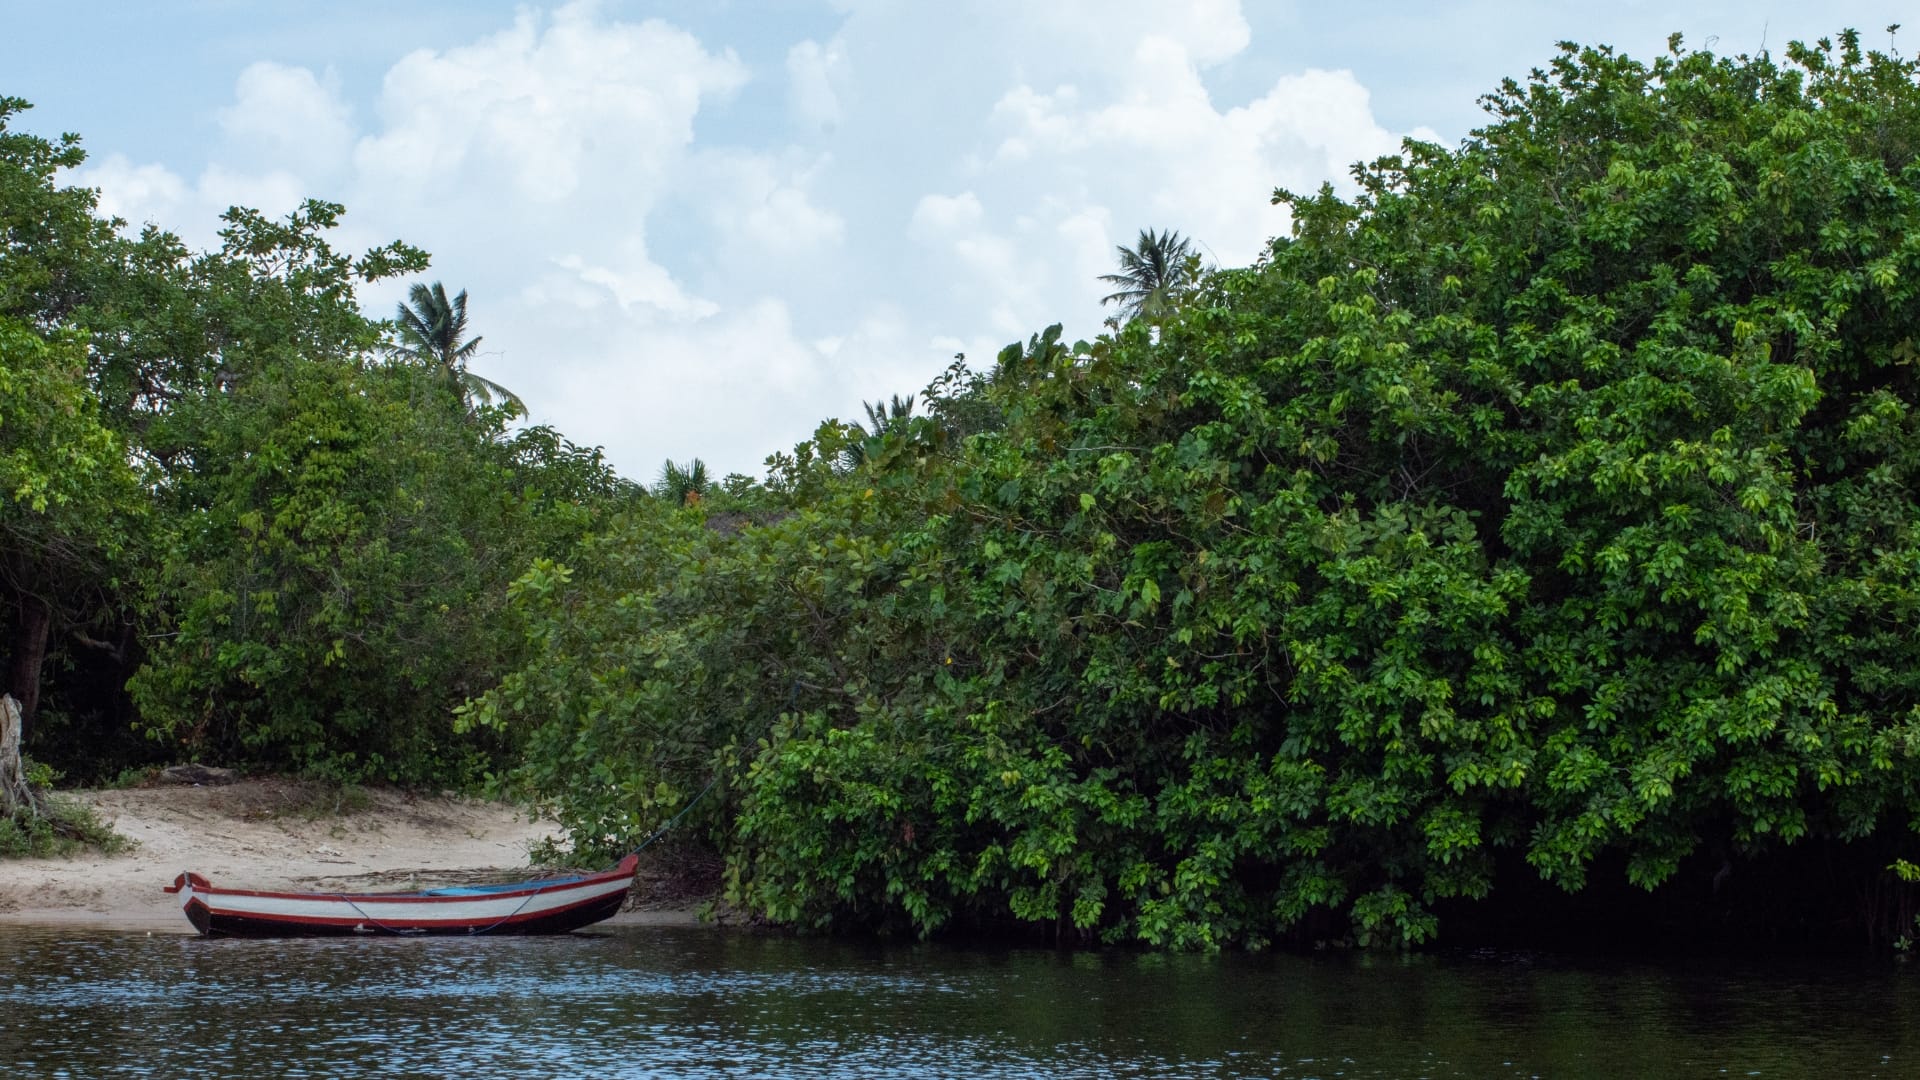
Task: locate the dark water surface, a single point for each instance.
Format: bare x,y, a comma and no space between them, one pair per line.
636,1002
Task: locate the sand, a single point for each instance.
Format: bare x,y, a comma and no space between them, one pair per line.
272,834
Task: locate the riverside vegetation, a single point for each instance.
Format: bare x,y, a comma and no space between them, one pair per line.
1543,513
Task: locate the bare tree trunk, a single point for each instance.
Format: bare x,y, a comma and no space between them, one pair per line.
29,653
15,795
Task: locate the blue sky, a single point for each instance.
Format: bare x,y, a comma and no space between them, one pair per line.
699,229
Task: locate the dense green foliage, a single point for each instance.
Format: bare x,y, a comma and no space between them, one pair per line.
1549,504
67,493
287,535
1554,497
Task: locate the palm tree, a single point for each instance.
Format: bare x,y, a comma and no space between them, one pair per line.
885,416
682,485
433,330
1153,274
882,417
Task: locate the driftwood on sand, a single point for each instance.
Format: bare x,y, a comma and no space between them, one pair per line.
196,774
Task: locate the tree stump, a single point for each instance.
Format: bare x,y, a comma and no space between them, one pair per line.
16,795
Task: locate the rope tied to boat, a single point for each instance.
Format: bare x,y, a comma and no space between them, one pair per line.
675,819
510,916
793,694
399,931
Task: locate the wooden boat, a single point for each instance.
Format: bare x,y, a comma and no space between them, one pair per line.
554,905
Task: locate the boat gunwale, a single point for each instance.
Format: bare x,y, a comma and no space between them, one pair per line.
626,868
398,923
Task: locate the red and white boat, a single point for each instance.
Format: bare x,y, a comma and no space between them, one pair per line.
555,905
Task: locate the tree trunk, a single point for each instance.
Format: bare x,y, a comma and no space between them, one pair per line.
29,654
15,795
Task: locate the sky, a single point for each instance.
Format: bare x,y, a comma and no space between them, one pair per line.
698,230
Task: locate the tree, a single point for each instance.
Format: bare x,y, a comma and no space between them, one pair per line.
340,532
1548,509
1154,273
432,330
682,485
341,590
882,417
69,502
67,497
51,240
299,554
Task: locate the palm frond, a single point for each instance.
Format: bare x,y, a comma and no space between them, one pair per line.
432,329
1155,271
485,390
682,484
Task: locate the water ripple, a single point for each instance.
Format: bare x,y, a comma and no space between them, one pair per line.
676,1003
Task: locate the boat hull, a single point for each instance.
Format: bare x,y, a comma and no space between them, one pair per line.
548,906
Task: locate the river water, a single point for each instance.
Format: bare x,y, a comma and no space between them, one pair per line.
646,1002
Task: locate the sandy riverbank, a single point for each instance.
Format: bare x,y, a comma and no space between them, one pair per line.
273,834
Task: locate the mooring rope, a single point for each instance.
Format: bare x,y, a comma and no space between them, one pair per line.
658,833
675,819
349,901
512,914
404,931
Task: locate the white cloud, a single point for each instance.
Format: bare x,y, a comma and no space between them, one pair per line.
649,286
1188,163
546,104
273,192
1208,31
539,163
1067,170
153,194
141,194
1001,283
687,388
291,117
813,70
937,216
1086,240
762,207
642,289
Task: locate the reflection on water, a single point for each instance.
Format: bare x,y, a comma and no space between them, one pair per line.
647,1002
